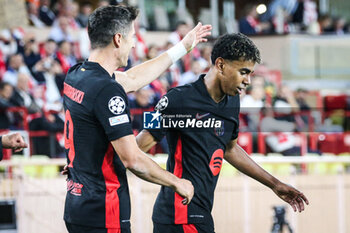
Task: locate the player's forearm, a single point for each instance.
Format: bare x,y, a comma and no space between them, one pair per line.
238,158
146,169
143,74
145,141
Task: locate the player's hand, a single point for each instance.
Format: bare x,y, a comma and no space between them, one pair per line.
185,189
196,35
65,170
14,141
292,196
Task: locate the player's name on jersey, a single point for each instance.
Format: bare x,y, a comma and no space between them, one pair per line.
191,123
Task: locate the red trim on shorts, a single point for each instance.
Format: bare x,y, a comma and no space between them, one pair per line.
112,185
180,209
190,228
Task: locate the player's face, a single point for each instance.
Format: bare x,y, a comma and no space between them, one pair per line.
128,44
235,76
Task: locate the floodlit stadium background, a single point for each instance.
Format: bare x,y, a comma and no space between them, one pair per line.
302,52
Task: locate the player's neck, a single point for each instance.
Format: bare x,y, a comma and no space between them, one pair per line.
213,86
103,58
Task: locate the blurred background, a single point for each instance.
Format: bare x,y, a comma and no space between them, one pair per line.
294,121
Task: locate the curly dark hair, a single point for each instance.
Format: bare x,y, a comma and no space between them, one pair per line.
107,21
235,46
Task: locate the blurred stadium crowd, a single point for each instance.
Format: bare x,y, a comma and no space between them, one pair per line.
274,118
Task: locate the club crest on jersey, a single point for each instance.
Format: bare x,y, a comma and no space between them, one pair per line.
220,131
162,104
116,105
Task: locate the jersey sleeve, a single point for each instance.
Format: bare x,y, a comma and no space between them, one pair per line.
167,105
112,111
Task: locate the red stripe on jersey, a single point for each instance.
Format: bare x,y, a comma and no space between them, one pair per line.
190,228
112,185
180,209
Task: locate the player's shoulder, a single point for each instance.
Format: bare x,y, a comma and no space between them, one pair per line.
180,91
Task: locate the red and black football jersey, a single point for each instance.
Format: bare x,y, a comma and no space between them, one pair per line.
196,148
97,112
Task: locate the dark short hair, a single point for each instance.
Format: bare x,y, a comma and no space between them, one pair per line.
3,85
235,47
107,21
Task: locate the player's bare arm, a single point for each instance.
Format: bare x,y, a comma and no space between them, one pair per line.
145,141
238,158
145,168
145,73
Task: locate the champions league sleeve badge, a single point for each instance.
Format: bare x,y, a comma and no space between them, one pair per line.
162,104
116,105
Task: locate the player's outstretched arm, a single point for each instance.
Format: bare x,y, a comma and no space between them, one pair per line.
145,168
238,158
145,141
143,74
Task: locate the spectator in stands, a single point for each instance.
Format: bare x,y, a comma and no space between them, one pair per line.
205,58
46,15
305,14
61,31
72,14
6,91
153,51
83,16
280,140
145,99
103,3
52,122
21,96
49,72
29,49
64,55
8,44
49,49
15,66
288,5
181,30
33,16
250,24
12,141
285,103
251,105
325,24
193,74
339,26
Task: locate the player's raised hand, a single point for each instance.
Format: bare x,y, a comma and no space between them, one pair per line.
196,35
185,189
292,196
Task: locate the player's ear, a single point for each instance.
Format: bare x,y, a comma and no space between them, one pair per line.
220,64
117,38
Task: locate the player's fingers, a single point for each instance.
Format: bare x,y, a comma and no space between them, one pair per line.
197,27
18,149
304,198
292,203
300,204
202,33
